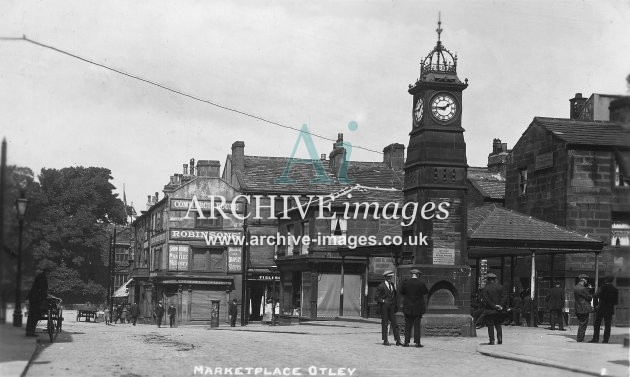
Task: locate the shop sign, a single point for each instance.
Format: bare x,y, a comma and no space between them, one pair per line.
199,282
235,260
543,161
443,256
196,235
264,277
204,205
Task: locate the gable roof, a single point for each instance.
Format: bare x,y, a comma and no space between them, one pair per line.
579,132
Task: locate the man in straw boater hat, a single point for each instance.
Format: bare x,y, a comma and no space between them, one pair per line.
388,302
494,303
413,291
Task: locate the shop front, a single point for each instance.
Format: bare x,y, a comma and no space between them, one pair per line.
319,287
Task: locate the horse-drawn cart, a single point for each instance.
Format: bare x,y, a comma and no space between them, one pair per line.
86,311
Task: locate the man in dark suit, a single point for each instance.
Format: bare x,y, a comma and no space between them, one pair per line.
159,313
233,312
583,307
607,296
494,301
37,300
413,291
555,301
135,312
388,302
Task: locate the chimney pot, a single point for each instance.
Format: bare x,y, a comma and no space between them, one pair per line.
192,166
185,169
323,157
577,104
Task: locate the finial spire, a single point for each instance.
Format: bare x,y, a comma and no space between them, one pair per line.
439,29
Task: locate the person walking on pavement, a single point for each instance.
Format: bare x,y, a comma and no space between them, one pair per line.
171,315
119,314
135,313
413,291
582,305
233,312
388,301
159,313
555,301
607,297
37,300
123,314
494,301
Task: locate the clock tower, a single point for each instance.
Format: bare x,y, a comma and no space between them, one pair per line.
435,172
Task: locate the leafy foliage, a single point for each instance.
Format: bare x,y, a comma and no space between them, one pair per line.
70,216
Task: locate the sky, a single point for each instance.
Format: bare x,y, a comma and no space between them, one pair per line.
320,63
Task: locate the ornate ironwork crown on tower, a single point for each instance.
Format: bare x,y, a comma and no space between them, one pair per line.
439,60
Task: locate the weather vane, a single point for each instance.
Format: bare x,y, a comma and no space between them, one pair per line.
439,29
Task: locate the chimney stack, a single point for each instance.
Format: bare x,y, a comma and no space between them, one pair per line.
497,160
238,156
157,197
337,156
577,104
185,169
208,168
192,166
394,156
620,111
149,201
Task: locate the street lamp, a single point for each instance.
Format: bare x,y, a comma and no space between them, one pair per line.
21,204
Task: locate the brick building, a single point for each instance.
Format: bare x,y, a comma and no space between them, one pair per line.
574,173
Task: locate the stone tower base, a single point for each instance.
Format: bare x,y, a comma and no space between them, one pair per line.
442,325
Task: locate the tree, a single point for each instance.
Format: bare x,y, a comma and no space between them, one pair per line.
70,211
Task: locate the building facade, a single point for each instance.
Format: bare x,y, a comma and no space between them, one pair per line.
574,173
188,249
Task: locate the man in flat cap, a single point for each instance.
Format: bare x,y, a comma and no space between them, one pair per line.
582,305
413,291
494,301
388,301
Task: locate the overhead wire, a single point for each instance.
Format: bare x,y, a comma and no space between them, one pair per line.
176,91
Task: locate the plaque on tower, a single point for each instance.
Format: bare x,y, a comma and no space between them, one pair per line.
443,256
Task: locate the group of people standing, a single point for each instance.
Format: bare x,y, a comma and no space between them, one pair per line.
124,313
158,314
493,307
413,291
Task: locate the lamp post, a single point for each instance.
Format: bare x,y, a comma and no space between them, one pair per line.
21,205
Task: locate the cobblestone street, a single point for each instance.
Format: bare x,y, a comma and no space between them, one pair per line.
335,349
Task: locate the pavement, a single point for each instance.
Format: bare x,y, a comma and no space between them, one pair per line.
16,350
539,346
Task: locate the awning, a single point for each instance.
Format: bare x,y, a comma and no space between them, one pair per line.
123,291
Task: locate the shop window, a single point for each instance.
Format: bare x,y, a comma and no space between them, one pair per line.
212,260
178,257
522,181
207,221
620,229
305,233
620,180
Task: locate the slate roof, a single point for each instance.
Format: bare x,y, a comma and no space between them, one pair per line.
579,132
261,172
489,185
492,225
359,194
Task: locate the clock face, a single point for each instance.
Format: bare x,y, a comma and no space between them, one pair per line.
444,107
417,111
